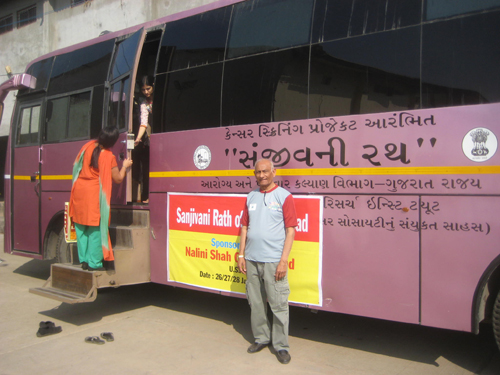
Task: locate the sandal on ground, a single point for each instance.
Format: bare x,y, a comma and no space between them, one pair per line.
48,330
48,323
94,340
108,336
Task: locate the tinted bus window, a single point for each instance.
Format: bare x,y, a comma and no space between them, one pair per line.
124,57
41,70
443,8
79,115
82,68
264,25
373,73
28,126
339,19
68,118
192,99
267,87
118,104
194,41
460,60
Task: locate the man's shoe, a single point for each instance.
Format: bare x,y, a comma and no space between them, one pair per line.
256,347
283,357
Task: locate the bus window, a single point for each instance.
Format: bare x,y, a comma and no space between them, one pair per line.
28,126
335,19
459,64
118,104
189,102
260,88
194,41
82,68
438,9
354,76
261,25
41,70
68,118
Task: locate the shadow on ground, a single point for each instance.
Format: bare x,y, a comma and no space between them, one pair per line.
400,340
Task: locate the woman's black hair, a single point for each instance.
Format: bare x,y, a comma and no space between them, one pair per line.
146,81
107,139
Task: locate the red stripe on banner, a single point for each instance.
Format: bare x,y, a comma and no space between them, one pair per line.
222,214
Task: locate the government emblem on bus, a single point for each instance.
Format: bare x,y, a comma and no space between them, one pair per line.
202,157
479,144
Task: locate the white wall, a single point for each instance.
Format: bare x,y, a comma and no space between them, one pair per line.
59,25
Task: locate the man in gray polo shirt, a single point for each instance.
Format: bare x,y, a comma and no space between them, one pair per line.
267,233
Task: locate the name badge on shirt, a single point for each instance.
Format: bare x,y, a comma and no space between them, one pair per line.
252,207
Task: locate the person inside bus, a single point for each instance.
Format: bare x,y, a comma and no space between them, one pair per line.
94,170
141,149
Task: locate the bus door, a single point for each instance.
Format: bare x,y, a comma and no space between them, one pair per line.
119,96
26,168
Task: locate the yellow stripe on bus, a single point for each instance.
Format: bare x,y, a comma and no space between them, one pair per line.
311,172
48,177
338,171
57,177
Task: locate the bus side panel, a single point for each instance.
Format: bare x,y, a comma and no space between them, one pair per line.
7,197
376,273
455,256
52,203
158,239
57,166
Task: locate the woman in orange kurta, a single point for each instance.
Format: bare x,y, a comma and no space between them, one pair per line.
93,172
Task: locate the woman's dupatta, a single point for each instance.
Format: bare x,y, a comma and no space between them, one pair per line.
105,186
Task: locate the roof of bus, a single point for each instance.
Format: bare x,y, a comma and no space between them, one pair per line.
146,25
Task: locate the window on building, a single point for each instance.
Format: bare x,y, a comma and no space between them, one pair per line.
6,24
26,16
77,2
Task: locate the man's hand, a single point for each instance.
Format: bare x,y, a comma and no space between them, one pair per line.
281,270
242,265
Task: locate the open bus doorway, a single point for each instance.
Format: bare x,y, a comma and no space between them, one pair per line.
143,117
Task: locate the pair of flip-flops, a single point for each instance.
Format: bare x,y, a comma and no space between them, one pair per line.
108,336
47,328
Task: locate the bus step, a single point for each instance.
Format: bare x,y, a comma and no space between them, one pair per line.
62,296
69,284
130,238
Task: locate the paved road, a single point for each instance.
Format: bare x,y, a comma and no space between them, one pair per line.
165,330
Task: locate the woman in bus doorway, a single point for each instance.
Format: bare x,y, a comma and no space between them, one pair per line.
141,150
93,172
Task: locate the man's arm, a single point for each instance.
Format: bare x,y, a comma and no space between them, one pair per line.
283,265
242,264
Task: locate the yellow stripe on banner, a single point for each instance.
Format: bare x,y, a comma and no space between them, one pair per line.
24,178
338,171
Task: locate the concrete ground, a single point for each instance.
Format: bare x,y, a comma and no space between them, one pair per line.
165,330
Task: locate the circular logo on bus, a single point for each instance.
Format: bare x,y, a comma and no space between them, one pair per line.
480,144
202,157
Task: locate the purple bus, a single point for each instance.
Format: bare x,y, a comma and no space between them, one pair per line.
381,118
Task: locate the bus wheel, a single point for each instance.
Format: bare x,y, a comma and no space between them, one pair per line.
496,320
63,249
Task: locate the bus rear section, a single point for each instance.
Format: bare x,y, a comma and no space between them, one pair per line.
385,132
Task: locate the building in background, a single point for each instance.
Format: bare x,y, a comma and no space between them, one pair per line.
31,28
